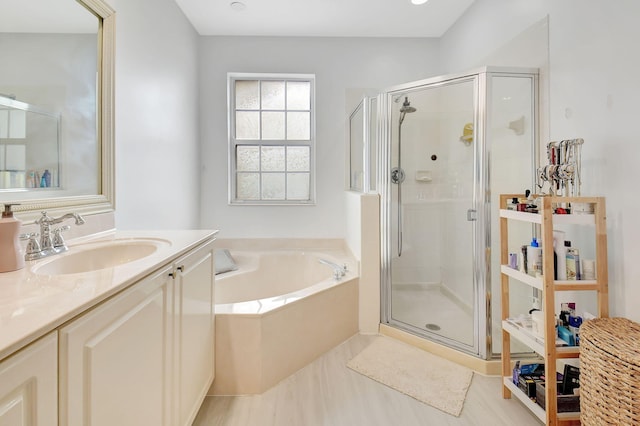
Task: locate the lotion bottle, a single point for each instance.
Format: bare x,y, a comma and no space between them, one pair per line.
11,257
534,258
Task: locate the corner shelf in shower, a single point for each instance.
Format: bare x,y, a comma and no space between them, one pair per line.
547,348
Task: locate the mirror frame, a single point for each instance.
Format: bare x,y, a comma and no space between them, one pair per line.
104,201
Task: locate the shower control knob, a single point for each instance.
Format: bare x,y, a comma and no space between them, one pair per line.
397,175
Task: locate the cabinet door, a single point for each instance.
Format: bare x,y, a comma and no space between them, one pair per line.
29,385
114,368
194,319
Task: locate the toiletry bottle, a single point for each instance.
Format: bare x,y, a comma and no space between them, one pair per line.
513,204
523,259
560,255
11,257
534,258
572,271
47,178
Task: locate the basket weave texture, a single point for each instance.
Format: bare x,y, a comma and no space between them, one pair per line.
610,372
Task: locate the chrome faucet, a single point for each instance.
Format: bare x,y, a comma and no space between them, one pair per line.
51,241
338,271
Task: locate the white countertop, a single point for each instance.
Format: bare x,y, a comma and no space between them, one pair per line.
31,305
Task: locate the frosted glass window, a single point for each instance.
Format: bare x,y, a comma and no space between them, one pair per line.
273,186
273,158
247,125
273,95
248,158
298,125
297,186
272,140
273,125
248,186
298,158
299,95
247,94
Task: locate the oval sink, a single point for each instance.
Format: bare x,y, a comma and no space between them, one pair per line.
87,259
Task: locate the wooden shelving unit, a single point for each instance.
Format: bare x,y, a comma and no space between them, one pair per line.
546,347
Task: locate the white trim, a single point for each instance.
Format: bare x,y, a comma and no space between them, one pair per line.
233,142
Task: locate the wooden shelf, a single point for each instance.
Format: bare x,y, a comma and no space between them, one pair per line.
558,219
531,405
546,348
535,282
537,343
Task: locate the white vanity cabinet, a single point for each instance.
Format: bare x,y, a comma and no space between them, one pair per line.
29,385
194,331
113,368
144,356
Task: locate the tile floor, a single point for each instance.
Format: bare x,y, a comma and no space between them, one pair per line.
327,393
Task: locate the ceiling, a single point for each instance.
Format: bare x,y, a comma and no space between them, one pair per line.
323,18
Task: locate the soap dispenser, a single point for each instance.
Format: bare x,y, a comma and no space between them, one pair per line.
11,257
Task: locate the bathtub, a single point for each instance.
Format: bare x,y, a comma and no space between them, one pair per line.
280,310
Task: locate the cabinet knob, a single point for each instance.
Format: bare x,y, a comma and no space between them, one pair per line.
180,268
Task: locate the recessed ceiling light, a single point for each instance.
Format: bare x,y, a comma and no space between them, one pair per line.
419,1
238,5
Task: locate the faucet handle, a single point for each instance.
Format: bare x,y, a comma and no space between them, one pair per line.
33,250
58,241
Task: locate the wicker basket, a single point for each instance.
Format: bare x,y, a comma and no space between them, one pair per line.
610,372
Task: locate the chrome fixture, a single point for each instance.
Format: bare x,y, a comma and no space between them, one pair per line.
51,241
397,174
338,271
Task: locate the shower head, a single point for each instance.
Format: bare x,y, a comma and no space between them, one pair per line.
406,106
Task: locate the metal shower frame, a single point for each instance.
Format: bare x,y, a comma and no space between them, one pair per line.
482,345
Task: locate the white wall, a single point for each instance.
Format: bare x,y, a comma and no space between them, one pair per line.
339,64
593,93
157,143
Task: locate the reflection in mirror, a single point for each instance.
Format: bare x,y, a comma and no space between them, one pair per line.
29,149
56,75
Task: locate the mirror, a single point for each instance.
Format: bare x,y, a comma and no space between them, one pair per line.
56,106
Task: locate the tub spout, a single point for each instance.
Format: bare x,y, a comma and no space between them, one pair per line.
338,271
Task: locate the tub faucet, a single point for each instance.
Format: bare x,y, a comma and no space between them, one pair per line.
338,271
51,241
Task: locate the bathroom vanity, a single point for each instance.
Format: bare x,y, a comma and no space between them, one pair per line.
132,343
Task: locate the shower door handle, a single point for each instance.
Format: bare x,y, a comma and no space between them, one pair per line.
472,215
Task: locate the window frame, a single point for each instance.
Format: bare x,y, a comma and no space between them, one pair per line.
232,77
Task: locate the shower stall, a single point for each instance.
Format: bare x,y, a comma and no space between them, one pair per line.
447,148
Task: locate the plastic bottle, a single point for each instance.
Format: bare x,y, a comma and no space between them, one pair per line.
534,258
573,264
560,255
47,178
11,257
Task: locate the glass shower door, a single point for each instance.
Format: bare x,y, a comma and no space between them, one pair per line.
434,170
